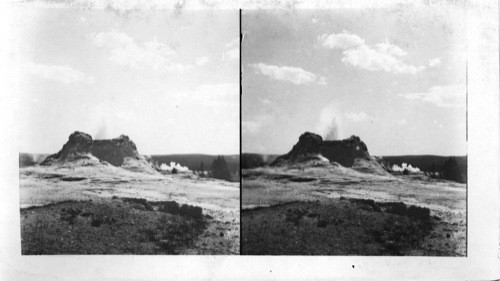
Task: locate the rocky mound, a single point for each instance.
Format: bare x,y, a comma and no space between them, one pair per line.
351,153
117,151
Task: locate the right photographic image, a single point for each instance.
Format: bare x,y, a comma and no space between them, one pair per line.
354,132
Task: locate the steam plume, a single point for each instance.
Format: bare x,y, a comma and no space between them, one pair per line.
173,165
330,123
102,133
404,167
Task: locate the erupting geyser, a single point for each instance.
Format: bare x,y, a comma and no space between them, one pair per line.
330,124
351,153
120,152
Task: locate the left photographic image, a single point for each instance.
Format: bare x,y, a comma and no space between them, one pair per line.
128,131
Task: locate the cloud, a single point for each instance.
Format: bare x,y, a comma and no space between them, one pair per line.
265,101
232,44
149,55
231,55
254,126
357,117
59,73
403,122
441,96
382,57
379,57
434,62
202,61
296,75
250,127
322,81
438,124
344,40
217,95
232,50
314,20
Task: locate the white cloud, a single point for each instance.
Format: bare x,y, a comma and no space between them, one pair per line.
233,43
379,57
254,126
111,40
434,62
438,124
296,75
202,61
314,20
265,101
149,55
344,40
322,80
231,55
383,57
441,96
403,122
250,127
357,117
218,95
59,73
232,50
222,90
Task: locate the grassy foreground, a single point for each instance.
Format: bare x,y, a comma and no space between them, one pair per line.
344,227
111,226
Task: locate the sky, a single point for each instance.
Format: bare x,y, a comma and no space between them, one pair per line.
393,77
167,79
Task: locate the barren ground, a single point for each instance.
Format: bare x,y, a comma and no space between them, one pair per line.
62,203
282,207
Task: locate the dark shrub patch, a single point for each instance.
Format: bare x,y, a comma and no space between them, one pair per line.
73,178
73,211
190,211
322,223
170,207
393,248
110,227
397,208
51,176
366,202
419,213
377,235
282,177
140,201
138,206
295,215
150,234
87,214
184,210
69,214
300,179
96,222
338,221
299,212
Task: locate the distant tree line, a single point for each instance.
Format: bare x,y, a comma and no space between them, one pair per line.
218,169
449,170
201,164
